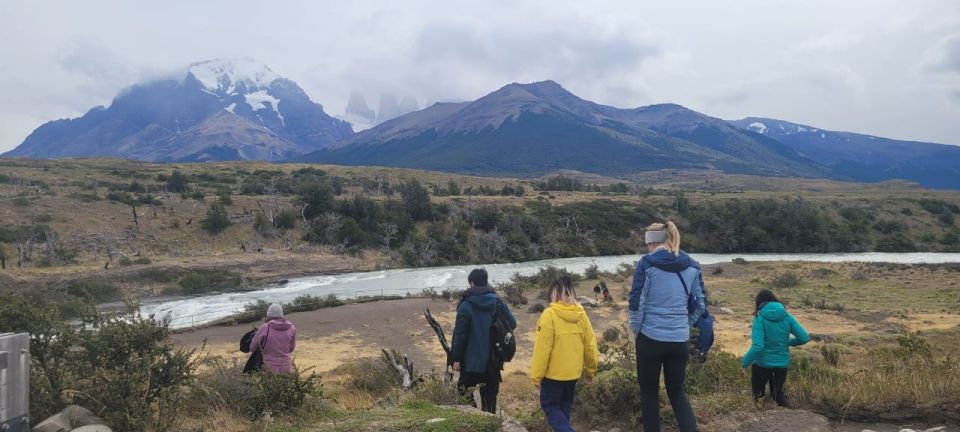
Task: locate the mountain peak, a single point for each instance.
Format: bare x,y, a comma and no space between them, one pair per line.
228,75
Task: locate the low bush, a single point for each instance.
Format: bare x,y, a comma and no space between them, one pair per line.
371,375
786,280
831,353
435,389
514,295
208,280
591,272
217,219
823,304
822,273
223,385
612,398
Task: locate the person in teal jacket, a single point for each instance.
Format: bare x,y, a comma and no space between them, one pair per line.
770,352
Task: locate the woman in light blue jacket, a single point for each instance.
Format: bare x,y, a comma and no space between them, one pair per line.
666,281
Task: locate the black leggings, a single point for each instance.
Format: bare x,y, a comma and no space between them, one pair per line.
777,377
672,358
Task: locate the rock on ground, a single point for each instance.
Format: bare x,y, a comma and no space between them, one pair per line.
73,417
508,425
779,420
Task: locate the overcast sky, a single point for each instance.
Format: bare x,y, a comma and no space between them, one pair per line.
887,68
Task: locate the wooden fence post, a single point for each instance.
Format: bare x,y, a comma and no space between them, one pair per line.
14,382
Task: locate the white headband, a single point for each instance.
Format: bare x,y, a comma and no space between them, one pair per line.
655,237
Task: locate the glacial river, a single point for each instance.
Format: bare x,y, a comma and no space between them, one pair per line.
193,311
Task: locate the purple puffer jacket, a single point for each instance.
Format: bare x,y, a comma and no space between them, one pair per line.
278,337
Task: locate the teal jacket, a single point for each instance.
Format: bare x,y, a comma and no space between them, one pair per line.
771,337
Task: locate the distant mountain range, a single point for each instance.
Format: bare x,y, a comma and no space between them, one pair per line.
234,109
534,129
864,157
240,109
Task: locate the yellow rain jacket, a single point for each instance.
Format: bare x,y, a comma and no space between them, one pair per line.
565,345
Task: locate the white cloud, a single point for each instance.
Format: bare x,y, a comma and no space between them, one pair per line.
883,67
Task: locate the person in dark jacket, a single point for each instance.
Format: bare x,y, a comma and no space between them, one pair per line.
471,350
770,350
665,285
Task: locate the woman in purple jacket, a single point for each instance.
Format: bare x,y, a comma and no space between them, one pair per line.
278,338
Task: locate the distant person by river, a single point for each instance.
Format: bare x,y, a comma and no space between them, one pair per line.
278,339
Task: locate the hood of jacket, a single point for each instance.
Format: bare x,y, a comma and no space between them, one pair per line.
281,324
667,261
482,298
773,311
568,312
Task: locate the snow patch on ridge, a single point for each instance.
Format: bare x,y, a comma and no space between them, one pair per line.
257,100
224,75
758,127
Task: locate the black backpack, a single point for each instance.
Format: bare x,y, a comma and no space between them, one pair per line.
255,361
502,342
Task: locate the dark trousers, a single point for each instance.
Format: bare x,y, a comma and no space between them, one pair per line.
556,399
489,387
777,377
672,358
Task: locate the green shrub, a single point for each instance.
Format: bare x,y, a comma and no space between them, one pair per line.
721,373
207,280
613,397
224,386
282,393
946,218
434,389
592,272
372,375
125,262
177,182
895,243
618,352
217,219
739,260
286,219
92,290
786,280
950,239
122,367
831,353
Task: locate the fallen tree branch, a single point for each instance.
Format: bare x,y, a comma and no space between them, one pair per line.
405,369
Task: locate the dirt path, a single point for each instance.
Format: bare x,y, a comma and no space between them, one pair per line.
327,338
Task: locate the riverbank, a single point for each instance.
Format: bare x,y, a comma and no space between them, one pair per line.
852,308
201,310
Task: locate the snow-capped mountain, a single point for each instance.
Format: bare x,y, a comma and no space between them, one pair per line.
224,109
865,157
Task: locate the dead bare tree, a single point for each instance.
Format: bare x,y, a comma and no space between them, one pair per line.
404,368
447,373
136,219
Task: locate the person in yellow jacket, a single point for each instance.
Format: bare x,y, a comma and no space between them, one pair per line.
564,350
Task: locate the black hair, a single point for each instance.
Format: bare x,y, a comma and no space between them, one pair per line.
763,297
478,277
